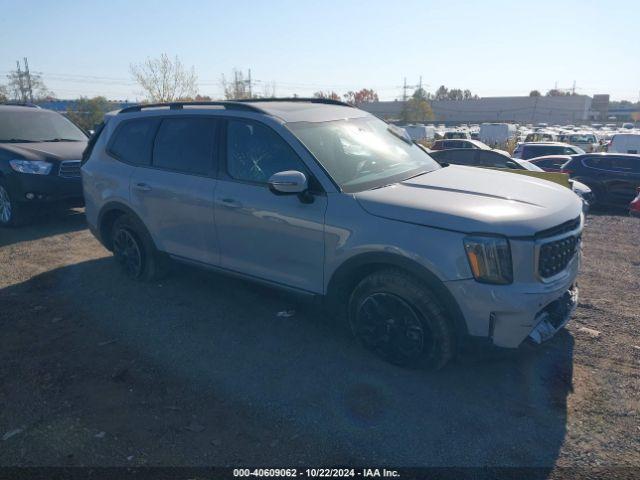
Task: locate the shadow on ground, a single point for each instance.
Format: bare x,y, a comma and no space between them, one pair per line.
46,224
199,369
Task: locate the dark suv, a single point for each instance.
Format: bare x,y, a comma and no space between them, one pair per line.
613,178
40,154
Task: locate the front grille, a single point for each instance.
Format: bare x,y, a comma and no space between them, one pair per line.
555,256
70,169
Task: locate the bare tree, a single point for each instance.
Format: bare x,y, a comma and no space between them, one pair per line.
23,86
269,90
165,80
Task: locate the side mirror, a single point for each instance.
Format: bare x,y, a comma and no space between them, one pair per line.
288,182
512,165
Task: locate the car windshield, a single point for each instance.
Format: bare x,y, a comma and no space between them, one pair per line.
363,153
35,125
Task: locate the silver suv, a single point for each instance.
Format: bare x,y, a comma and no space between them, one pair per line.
323,199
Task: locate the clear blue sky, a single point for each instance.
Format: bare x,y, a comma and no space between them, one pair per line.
85,47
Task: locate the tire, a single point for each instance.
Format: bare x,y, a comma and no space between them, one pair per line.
398,317
12,213
134,250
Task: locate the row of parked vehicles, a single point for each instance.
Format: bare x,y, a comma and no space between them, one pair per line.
319,198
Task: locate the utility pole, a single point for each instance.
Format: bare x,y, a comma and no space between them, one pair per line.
249,82
28,75
573,90
404,90
23,96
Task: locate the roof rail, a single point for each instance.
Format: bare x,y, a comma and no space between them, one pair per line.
328,101
231,105
20,104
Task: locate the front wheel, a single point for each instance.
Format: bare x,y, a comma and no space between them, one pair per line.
397,317
12,214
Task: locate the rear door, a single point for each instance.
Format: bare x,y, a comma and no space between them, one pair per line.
174,194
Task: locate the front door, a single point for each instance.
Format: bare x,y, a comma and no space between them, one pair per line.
279,238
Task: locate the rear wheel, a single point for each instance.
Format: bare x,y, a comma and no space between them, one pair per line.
397,317
134,251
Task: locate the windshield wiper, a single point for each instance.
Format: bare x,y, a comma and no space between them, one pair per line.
18,140
59,140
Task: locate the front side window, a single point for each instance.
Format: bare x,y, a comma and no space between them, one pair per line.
362,153
255,152
133,140
623,164
185,145
36,125
495,160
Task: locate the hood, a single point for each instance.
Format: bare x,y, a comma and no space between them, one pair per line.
52,151
475,200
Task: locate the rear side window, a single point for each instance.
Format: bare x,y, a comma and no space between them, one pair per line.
185,145
132,141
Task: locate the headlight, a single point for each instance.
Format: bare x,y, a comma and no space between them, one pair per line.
489,259
35,167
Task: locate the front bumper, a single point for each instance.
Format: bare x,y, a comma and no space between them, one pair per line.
509,314
45,189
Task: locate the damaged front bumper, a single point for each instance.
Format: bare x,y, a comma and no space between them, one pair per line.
554,316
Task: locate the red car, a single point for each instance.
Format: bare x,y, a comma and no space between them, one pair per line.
634,206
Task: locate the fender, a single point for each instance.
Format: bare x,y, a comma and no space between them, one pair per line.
347,275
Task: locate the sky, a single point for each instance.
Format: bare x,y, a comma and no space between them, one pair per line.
493,48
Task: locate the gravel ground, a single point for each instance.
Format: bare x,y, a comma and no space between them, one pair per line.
200,370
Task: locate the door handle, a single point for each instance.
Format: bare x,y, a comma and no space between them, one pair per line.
231,203
142,187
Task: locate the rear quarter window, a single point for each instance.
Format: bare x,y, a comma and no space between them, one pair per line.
133,140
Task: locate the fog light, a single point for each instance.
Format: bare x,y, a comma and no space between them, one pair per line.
30,196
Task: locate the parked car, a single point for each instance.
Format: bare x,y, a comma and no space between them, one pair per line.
462,143
40,153
526,151
634,206
613,178
457,134
625,143
325,200
541,136
586,141
628,126
493,159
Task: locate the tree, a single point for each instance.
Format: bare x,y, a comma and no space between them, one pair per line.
366,95
165,80
535,93
417,108
441,93
4,94
554,92
238,88
88,112
330,95
25,87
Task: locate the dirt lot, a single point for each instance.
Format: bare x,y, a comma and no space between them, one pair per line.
200,370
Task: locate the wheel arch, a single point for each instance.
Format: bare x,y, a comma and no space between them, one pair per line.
352,271
107,217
